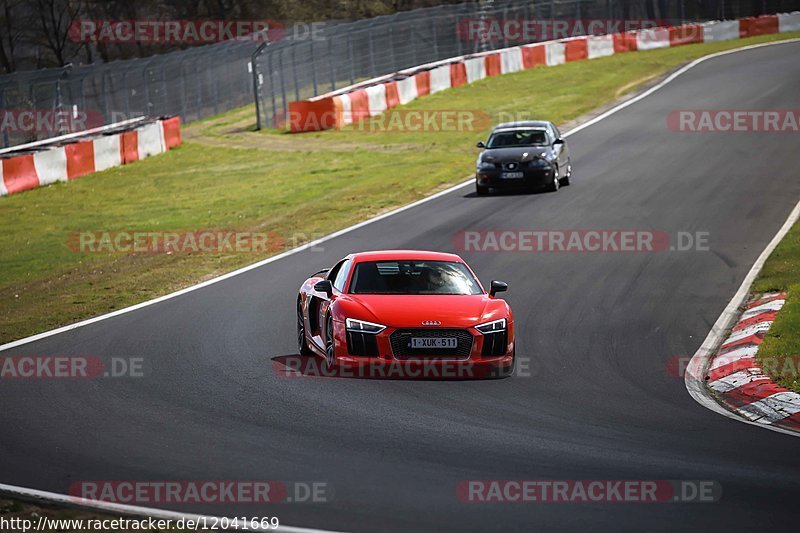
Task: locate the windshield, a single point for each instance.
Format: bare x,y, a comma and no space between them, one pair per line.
413,277
508,139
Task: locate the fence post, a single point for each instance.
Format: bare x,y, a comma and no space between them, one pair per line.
254,69
435,40
293,47
350,59
371,55
127,90
271,84
391,48
283,83
330,64
183,90
313,66
6,141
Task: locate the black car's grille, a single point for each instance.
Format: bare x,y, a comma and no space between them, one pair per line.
534,163
362,344
494,344
401,343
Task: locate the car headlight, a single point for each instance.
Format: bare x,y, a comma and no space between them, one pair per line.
540,162
362,326
485,165
495,326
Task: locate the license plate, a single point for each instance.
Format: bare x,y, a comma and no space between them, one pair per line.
511,175
434,342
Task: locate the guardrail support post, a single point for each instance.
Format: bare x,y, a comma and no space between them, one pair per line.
254,68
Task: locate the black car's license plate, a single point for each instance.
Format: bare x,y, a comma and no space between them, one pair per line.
511,175
434,342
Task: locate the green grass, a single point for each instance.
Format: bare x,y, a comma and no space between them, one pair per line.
781,347
226,176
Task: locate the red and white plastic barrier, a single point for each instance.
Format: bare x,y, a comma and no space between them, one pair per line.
407,89
555,53
720,31
652,38
43,167
476,69
348,106
788,22
511,60
439,79
600,46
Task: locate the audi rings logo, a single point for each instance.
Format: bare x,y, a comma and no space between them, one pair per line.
431,323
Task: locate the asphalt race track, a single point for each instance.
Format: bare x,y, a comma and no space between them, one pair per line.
596,329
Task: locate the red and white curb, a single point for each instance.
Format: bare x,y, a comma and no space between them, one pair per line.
737,378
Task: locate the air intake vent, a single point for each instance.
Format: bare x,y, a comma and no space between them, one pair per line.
494,344
362,344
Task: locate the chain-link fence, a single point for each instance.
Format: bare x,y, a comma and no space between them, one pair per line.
203,81
345,54
193,83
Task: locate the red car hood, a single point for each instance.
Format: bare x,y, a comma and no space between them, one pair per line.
409,311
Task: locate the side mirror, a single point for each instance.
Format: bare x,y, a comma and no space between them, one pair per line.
558,141
324,286
498,286
480,144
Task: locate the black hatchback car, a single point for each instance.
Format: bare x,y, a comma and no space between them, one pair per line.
523,155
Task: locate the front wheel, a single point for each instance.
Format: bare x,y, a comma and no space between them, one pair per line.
567,176
302,343
330,344
556,181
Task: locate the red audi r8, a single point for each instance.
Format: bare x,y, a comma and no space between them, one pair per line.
406,314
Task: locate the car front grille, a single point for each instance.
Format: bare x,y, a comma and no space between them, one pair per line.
401,344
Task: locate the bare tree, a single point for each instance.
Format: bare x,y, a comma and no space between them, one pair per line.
10,33
55,18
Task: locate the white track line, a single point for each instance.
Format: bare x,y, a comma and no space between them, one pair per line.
42,497
697,390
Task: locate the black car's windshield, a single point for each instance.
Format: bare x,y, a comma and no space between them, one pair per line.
509,139
413,277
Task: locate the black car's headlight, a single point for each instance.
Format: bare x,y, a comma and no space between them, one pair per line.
495,326
539,162
362,326
485,165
